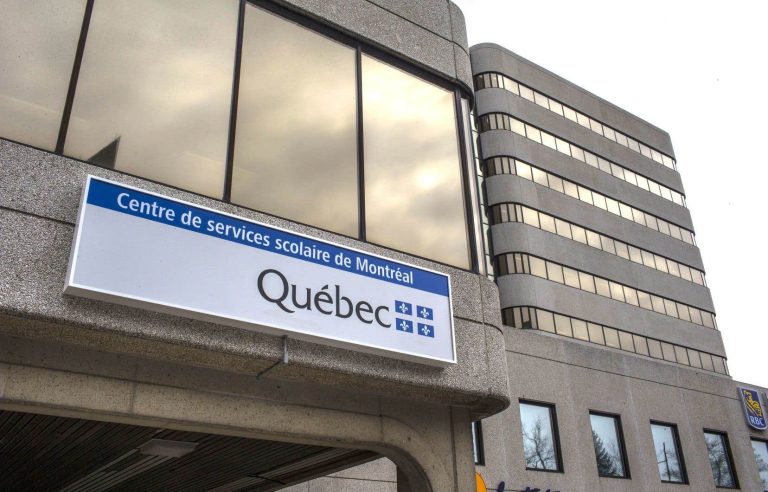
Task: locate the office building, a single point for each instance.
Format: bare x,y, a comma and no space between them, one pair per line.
256,245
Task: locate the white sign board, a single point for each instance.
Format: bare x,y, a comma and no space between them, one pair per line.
141,249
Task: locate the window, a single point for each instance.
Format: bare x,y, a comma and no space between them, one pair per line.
668,454
720,459
541,446
609,445
760,448
478,450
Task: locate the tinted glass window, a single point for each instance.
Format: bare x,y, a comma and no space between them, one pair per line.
720,459
413,190
608,445
38,40
539,438
154,92
296,142
668,456
760,449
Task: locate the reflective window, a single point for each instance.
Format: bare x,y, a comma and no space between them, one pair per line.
478,451
720,459
497,80
540,319
760,448
296,138
413,189
609,447
501,121
130,112
39,40
668,455
540,440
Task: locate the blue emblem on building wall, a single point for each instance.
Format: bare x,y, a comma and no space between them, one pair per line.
753,409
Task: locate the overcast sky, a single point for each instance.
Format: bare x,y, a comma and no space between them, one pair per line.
698,70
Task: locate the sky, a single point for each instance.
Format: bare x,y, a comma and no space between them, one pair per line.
698,70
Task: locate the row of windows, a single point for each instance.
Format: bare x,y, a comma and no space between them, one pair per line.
514,212
542,450
487,80
512,263
500,121
254,106
509,165
540,319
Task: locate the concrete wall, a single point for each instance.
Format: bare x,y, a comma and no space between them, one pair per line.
70,356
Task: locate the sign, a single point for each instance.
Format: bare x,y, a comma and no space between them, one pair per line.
753,410
142,249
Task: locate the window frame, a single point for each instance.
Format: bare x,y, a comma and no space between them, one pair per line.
728,455
467,179
764,442
478,446
555,433
622,444
678,450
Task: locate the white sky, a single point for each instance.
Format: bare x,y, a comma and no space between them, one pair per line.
698,70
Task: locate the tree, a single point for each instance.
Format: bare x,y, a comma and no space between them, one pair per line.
538,448
721,470
606,462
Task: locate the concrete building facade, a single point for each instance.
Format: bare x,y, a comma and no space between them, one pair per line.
576,290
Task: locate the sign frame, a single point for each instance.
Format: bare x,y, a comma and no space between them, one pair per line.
757,422
71,287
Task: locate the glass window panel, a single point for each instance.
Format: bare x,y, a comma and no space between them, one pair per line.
683,312
682,355
635,255
697,277
526,93
539,438
694,358
609,449
625,339
654,348
576,152
599,201
622,139
579,234
664,227
580,329
630,177
38,42
611,337
633,144
511,86
547,223
585,195
706,362
638,216
673,268
602,287
651,222
530,217
546,321
157,106
556,183
644,299
608,244
524,170
571,189
590,158
686,272
626,211
555,272
617,291
541,100
631,295
609,133
595,126
604,165
571,277
412,168
517,126
548,140
708,319
587,282
569,113
641,344
645,150
642,182
695,316
563,228
312,179
667,455
648,259
613,206
533,133
556,107
669,351
658,304
563,325
670,308
720,459
622,250
596,333
582,120
539,176
654,187
760,449
538,267
593,239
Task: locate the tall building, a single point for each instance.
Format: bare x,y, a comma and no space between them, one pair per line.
252,245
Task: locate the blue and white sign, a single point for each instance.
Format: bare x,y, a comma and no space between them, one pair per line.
141,249
753,408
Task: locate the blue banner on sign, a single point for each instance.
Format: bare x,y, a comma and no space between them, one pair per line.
753,409
404,325
426,330
170,212
424,312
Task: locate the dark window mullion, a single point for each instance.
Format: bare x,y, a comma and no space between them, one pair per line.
467,181
233,106
360,143
73,78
